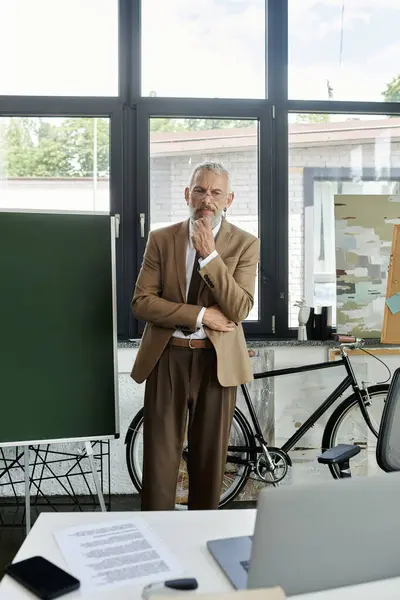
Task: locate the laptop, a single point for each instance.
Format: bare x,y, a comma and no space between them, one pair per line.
314,537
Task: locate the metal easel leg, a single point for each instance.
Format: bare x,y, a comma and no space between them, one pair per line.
27,491
89,452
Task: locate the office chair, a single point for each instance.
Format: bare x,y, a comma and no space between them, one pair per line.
388,444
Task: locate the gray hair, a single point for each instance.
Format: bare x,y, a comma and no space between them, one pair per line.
215,167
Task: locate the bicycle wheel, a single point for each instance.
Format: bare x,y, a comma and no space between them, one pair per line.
346,425
235,476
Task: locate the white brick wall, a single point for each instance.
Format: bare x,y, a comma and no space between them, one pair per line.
170,175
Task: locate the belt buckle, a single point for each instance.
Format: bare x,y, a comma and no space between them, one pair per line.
190,346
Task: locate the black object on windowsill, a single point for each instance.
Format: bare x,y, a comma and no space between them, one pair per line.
310,325
319,324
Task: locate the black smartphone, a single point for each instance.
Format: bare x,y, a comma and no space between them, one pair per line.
42,578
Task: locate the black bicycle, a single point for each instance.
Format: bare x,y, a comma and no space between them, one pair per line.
354,421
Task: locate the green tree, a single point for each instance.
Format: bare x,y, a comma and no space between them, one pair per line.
164,124
18,147
312,118
49,159
205,124
36,147
49,156
78,140
392,91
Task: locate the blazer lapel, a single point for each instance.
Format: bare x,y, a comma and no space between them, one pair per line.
181,242
222,239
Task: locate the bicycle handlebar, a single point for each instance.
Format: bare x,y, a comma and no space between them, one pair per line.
345,339
349,341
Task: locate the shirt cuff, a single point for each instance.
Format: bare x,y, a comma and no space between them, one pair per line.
199,321
204,261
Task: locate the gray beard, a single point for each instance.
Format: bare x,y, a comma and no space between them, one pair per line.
215,220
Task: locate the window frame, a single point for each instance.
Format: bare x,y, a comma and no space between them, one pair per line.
281,180
229,109
129,114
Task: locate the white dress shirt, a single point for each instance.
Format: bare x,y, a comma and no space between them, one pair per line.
199,334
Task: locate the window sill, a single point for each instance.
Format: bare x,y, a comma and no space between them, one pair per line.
272,342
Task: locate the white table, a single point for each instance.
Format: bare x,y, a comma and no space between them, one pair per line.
186,534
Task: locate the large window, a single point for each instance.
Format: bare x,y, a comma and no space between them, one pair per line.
54,163
59,47
178,145
332,155
108,105
208,49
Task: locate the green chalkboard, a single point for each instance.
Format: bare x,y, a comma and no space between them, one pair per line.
57,327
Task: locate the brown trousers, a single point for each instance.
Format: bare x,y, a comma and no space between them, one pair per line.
184,384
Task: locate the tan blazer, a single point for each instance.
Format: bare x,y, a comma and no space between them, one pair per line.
160,294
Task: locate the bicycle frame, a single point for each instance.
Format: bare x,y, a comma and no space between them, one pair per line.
349,381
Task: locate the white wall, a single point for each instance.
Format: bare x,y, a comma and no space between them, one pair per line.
293,397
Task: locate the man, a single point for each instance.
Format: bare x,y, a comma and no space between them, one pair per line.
195,287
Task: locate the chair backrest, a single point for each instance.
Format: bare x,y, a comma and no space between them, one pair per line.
388,446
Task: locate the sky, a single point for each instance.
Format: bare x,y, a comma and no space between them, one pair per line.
206,48
202,48
58,47
370,55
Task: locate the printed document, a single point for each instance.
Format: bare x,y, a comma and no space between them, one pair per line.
116,553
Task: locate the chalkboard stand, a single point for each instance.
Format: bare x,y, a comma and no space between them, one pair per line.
49,464
27,491
89,452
